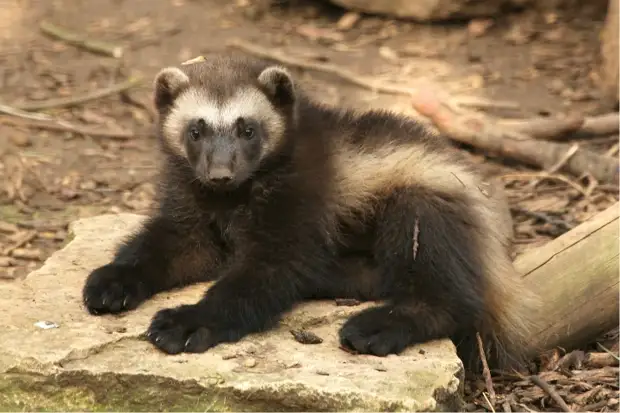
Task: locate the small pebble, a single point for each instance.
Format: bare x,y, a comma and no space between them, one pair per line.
293,364
45,325
306,337
250,362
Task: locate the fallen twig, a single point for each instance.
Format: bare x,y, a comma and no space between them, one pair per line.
24,239
605,349
23,114
366,82
488,402
550,391
485,370
58,125
76,100
573,126
475,130
77,40
544,175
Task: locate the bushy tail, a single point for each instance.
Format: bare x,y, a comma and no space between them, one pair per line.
510,320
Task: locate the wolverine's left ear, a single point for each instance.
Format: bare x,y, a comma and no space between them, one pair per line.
168,84
278,84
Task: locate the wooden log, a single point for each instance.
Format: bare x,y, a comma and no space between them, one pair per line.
577,277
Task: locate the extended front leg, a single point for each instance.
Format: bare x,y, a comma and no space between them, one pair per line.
249,298
162,256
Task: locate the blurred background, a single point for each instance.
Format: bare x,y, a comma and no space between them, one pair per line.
76,121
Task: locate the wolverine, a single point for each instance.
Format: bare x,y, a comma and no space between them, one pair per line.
278,199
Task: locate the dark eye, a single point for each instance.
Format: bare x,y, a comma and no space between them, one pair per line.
248,132
194,133
245,128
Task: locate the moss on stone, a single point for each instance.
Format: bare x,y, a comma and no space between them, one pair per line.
76,391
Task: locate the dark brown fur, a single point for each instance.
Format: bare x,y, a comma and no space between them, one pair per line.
327,206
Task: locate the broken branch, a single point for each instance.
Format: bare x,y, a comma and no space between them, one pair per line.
57,125
551,392
366,82
77,100
573,127
475,130
485,370
77,40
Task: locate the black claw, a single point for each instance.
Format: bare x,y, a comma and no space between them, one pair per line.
112,289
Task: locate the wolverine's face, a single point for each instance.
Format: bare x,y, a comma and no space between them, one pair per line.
224,131
224,152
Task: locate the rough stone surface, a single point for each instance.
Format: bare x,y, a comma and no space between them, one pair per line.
102,363
610,53
430,10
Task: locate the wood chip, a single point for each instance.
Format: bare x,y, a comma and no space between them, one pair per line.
19,239
7,262
27,253
348,20
8,228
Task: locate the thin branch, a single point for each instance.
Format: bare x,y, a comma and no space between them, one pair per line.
544,175
78,40
366,82
485,370
57,125
550,391
79,99
25,115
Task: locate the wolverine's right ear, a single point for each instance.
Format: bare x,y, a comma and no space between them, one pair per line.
168,83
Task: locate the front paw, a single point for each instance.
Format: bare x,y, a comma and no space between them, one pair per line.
112,289
185,329
375,331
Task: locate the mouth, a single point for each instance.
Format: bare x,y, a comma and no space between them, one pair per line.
218,184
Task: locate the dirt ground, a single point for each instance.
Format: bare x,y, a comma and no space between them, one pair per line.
545,60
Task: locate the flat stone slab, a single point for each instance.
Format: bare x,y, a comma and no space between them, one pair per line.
55,356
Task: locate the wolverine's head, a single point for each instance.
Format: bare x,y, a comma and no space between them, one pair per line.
225,115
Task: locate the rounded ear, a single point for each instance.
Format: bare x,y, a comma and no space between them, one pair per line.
278,84
168,83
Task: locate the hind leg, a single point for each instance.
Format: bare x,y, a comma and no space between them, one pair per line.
429,263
